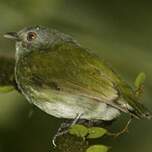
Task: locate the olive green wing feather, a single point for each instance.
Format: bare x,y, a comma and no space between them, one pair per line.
72,69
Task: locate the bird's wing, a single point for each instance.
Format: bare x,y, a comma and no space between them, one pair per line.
71,69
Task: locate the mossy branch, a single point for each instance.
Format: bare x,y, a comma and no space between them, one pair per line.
77,140
70,143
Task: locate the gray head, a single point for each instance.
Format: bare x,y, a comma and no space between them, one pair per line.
33,38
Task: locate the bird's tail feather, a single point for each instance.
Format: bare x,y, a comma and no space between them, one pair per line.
139,109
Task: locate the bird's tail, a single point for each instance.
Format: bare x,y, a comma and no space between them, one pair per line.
139,110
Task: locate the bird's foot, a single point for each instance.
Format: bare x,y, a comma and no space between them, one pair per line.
64,127
61,131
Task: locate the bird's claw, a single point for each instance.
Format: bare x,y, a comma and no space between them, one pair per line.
57,135
64,125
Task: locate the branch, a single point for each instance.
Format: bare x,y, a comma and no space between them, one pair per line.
70,143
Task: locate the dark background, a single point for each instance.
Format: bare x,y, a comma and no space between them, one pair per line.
118,31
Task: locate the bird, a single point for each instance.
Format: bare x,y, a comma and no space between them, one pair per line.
64,79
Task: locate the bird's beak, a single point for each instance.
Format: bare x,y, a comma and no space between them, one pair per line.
12,36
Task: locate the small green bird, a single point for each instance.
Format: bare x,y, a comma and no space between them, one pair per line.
64,79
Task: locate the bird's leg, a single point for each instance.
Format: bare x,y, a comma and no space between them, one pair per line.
59,132
124,130
63,129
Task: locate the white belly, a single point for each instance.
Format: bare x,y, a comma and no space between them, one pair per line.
70,106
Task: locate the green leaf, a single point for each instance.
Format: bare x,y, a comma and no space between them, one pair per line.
6,89
140,79
97,148
96,132
78,130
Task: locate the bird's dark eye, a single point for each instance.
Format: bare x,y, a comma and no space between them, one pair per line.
31,36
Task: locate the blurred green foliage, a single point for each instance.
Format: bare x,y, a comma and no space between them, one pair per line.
87,133
78,130
140,80
96,132
97,148
118,31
